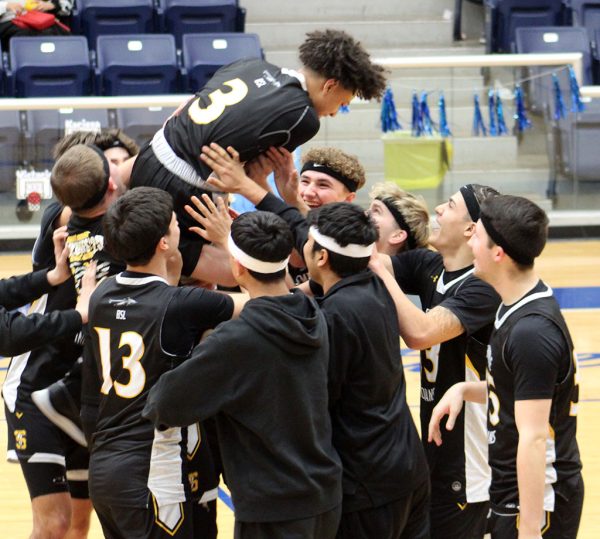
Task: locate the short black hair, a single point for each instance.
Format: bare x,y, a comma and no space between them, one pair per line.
334,54
264,236
345,223
521,225
135,223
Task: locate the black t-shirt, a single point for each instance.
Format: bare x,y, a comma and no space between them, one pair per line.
373,430
18,331
250,105
128,316
459,469
531,357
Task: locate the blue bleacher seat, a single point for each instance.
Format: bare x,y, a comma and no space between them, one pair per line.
142,123
203,54
139,64
503,17
49,66
11,148
94,18
586,13
179,17
582,132
44,128
553,39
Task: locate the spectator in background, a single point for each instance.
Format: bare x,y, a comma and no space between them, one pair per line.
11,26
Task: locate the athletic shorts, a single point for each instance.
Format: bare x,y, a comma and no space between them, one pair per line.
205,519
323,526
170,521
407,517
562,523
453,520
148,171
51,461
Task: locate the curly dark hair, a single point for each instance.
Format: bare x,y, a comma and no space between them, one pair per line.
334,54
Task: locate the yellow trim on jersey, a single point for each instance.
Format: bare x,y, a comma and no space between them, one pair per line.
547,525
469,365
462,506
191,455
164,526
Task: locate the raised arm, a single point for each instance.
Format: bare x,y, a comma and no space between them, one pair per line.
419,330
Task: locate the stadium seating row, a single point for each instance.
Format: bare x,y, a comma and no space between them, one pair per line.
142,64
504,17
94,18
27,137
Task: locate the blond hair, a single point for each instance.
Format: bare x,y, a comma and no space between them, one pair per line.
412,208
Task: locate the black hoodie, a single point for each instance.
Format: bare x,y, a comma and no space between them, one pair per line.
264,378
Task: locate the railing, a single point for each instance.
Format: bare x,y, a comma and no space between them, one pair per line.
427,62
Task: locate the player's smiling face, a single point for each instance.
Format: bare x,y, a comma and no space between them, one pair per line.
317,188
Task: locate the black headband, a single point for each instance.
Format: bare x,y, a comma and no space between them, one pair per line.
116,143
352,186
97,197
473,208
498,239
399,218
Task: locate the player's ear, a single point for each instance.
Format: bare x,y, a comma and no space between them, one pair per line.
322,257
163,244
330,85
350,197
236,268
469,229
398,237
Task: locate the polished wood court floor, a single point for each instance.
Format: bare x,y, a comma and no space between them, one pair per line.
563,265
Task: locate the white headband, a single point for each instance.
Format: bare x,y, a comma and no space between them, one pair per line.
353,250
252,263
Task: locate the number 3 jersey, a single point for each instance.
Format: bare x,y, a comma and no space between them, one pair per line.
531,357
250,105
459,468
127,325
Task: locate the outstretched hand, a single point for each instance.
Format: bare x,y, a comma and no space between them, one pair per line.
286,175
258,169
230,174
215,221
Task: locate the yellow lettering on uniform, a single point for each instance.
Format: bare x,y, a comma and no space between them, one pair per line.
218,102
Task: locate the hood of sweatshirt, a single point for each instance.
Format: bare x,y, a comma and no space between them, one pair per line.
293,322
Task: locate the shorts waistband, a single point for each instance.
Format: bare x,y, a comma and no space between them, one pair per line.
174,164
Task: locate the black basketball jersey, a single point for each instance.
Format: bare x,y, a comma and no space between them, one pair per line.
129,352
531,357
126,347
459,467
250,105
